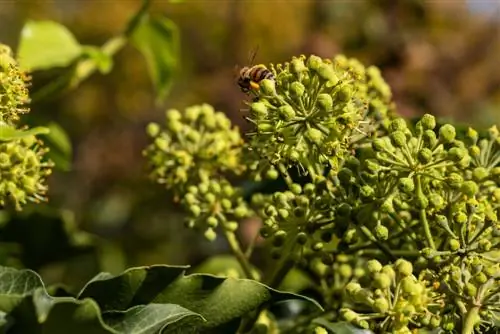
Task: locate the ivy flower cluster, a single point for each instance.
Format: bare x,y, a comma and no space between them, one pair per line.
23,167
401,217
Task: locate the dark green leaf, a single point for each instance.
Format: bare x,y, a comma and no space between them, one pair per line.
8,133
221,301
147,319
158,41
26,307
219,265
46,44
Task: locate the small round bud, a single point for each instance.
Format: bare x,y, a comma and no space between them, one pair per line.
231,226
424,156
324,102
470,290
352,288
475,151
447,133
399,124
480,278
460,218
454,245
406,185
398,138
153,129
403,267
314,135
286,112
210,234
268,87
382,280
456,153
381,232
345,270
297,89
430,138
484,245
381,305
314,62
469,188
301,238
373,266
428,122
297,66
258,109
479,174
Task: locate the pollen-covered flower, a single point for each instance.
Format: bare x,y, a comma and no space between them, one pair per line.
13,87
23,172
192,146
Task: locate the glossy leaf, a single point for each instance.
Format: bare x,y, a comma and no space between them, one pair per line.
45,45
221,301
158,41
26,307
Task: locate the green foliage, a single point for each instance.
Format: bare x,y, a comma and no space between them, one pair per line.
141,300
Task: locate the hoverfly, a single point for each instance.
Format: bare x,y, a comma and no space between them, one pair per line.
250,76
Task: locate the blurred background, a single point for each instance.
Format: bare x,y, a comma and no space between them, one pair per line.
439,57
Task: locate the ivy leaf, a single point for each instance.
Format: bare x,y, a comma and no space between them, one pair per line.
221,301
45,45
147,319
158,41
26,307
8,133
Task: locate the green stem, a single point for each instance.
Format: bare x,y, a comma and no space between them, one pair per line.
286,175
240,256
423,217
470,320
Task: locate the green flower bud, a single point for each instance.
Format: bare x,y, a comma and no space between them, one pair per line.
210,234
428,122
484,245
430,138
345,270
382,280
403,267
479,174
381,232
469,188
279,238
470,290
381,305
324,102
456,154
314,62
258,109
297,89
286,112
398,138
460,218
344,210
472,134
317,246
373,266
301,238
314,135
153,129
212,222
424,156
352,288
406,185
447,133
268,87
493,132
454,244
437,201
349,315
398,124
367,191
231,226
454,180
298,66
480,278
326,72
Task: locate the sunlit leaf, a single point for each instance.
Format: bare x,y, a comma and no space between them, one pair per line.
221,301
158,41
8,133
46,44
102,60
